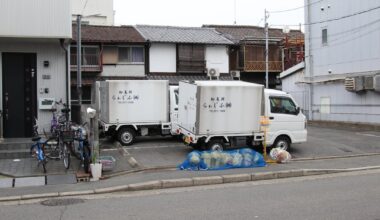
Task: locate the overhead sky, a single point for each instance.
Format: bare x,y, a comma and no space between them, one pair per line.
198,12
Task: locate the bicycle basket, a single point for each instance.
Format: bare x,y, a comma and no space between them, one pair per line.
67,136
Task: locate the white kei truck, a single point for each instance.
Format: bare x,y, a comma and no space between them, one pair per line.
216,115
131,108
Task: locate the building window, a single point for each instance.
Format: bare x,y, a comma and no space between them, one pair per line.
191,58
131,54
282,105
90,55
324,36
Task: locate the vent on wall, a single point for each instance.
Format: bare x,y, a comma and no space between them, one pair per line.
354,84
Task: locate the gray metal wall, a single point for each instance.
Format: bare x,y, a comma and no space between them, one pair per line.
352,48
35,18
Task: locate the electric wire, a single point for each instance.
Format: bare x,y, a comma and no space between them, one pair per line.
293,9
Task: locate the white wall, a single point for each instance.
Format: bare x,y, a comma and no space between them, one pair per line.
36,19
119,70
217,57
298,90
94,7
162,58
51,51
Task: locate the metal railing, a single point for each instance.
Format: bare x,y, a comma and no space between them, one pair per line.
191,66
259,66
90,62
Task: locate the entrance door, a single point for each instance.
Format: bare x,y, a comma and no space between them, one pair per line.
19,94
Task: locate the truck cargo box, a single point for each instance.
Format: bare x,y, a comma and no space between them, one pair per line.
134,101
220,107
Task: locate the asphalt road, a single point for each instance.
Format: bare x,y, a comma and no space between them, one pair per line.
339,196
322,142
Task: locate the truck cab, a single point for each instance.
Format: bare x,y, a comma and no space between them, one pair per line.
287,124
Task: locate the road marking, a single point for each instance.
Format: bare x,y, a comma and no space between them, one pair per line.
126,153
110,149
368,135
151,147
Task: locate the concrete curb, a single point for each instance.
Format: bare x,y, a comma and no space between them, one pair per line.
187,182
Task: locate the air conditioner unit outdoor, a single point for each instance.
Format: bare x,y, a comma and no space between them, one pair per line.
376,83
213,72
354,84
235,74
368,82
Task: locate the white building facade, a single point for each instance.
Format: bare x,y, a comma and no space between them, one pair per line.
34,39
342,47
94,12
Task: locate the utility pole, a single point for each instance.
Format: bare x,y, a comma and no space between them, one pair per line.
266,16
79,60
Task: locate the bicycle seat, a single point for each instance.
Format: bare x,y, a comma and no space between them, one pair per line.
65,110
36,139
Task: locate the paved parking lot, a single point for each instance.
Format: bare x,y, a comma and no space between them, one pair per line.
322,142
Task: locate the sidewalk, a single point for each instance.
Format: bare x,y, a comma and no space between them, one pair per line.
342,163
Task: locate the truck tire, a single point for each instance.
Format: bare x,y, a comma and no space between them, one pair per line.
215,144
126,136
283,143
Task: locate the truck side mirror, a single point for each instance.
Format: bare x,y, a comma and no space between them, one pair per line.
298,110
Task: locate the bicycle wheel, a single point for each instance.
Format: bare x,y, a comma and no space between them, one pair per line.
66,156
86,158
44,165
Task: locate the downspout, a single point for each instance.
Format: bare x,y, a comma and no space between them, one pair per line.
66,47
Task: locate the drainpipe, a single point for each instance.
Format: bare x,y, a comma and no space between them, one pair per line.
66,47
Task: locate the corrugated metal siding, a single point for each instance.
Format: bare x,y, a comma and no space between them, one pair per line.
352,47
37,18
51,52
353,43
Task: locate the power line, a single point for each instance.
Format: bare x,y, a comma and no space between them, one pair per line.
333,19
293,9
346,16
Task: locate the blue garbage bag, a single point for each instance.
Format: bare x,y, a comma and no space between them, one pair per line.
221,160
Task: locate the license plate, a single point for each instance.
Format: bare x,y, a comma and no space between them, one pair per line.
187,140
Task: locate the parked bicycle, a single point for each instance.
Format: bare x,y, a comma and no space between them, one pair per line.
37,149
81,146
66,135
61,135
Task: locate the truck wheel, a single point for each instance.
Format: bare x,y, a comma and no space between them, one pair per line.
282,142
216,144
126,136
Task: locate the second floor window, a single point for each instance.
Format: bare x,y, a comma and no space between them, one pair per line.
131,54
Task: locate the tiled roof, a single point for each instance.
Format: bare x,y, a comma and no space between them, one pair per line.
169,34
174,79
236,33
109,34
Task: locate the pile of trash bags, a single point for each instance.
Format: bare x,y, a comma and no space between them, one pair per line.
221,160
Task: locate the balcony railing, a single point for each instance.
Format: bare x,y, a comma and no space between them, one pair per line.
190,66
90,62
259,66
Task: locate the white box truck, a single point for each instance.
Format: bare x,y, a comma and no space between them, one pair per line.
218,114
130,108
